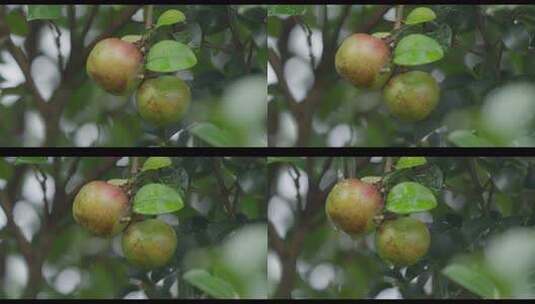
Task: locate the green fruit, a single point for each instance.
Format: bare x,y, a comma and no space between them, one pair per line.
101,207
402,242
412,96
149,244
163,100
352,205
115,65
364,60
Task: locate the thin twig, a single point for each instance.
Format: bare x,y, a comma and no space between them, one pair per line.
399,17
87,25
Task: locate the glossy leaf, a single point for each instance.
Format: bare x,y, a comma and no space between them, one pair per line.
170,56
420,15
156,162
209,284
417,49
170,17
157,199
466,138
410,161
409,197
211,134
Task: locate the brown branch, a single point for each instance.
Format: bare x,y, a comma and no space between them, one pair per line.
107,164
275,241
25,67
87,25
225,192
278,68
117,23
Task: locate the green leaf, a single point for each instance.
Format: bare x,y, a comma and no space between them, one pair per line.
209,284
409,197
291,10
170,56
117,182
131,38
420,15
410,161
157,199
17,23
381,35
372,179
43,12
211,134
472,275
467,138
170,17
31,160
156,162
417,49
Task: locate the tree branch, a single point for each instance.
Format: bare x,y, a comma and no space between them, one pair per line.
117,23
87,25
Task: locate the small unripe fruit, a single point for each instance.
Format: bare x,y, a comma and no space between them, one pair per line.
100,207
149,244
163,100
352,205
364,60
403,241
115,65
412,96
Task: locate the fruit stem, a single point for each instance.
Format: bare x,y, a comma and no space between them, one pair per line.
399,16
147,16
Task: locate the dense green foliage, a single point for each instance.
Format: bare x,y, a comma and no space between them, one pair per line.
482,57
47,98
479,212
216,207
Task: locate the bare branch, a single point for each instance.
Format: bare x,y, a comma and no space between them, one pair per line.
227,204
278,68
117,23
25,67
87,25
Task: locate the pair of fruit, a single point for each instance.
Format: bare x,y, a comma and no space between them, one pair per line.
354,206
104,210
117,66
365,61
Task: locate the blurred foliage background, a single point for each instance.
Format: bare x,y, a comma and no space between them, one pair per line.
482,234
221,230
46,98
486,78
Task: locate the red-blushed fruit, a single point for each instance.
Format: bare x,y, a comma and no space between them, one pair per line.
115,65
163,100
100,208
403,241
364,60
149,244
412,96
352,205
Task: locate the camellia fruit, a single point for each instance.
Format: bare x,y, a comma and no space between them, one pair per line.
149,244
163,100
403,241
352,205
412,96
116,65
364,60
101,207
